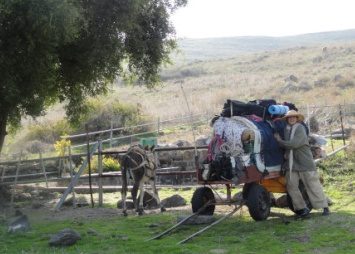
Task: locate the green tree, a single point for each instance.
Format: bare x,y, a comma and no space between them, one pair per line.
67,50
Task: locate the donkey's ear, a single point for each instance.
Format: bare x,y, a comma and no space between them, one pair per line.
152,148
146,148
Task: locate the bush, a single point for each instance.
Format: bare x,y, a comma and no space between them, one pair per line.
108,165
48,132
100,113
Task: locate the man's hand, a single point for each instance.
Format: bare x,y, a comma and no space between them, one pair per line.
277,137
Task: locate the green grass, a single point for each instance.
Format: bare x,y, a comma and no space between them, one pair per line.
333,234
238,234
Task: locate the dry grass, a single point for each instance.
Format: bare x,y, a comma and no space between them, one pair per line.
328,76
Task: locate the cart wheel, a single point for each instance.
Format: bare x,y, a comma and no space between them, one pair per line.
200,197
258,202
304,195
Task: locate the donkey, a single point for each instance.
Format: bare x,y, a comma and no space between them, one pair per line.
140,164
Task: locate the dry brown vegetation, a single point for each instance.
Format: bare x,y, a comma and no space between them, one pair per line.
305,75
320,75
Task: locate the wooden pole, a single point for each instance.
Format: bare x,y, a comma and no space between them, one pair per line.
211,225
308,119
71,169
111,133
89,162
158,127
75,179
3,173
342,125
43,168
99,161
15,183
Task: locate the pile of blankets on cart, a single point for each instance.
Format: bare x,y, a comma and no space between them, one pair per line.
253,124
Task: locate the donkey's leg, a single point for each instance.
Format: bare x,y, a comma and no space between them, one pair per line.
124,191
156,195
134,193
141,196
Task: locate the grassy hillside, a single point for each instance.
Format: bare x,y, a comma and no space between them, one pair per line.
220,48
318,75
321,74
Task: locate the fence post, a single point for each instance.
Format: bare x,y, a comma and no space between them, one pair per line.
99,166
158,127
111,133
71,169
75,179
3,173
15,183
342,125
89,162
43,168
308,119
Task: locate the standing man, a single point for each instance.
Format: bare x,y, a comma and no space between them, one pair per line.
301,166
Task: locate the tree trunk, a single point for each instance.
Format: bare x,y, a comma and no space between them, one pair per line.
3,133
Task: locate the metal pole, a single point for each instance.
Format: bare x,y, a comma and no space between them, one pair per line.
99,161
89,162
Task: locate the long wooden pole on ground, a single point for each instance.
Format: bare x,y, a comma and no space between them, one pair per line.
75,179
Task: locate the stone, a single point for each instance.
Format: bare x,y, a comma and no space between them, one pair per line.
182,143
238,197
149,201
291,78
36,205
129,204
281,202
202,141
197,220
23,196
19,223
80,201
65,237
173,201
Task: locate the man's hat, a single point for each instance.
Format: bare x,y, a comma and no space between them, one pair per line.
292,113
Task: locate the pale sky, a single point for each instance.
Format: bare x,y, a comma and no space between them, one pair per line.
226,18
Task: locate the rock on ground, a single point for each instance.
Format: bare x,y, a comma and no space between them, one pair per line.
65,237
197,220
173,201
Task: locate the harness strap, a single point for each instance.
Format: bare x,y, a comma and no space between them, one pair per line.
146,164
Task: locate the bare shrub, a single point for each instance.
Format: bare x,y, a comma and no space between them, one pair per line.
48,131
345,84
322,81
313,124
37,146
317,59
